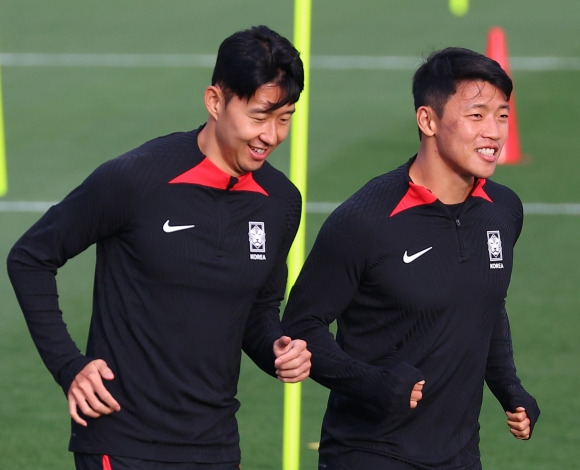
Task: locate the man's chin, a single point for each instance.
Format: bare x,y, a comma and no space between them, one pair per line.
486,171
254,165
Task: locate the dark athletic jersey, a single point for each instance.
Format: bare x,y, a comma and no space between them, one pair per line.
190,268
418,291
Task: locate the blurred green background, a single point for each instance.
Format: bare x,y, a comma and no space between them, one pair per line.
83,82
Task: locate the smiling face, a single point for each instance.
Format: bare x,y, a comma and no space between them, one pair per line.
246,132
472,130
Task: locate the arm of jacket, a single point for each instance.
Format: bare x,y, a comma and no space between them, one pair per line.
501,376
324,289
68,228
263,324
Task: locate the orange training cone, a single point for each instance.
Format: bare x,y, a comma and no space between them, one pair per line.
497,50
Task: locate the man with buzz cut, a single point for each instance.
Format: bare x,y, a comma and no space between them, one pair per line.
192,233
415,268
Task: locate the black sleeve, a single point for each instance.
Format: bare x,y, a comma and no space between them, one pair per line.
263,324
501,376
324,289
89,212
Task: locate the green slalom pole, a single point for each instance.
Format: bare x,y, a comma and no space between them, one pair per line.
3,172
298,173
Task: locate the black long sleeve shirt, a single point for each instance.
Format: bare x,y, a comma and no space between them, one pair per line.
190,269
418,290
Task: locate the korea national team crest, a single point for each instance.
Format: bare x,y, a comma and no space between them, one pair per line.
257,237
495,249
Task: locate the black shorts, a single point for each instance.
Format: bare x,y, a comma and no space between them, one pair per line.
110,462
352,459
357,460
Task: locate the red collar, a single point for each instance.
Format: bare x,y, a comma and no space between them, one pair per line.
206,173
478,190
419,195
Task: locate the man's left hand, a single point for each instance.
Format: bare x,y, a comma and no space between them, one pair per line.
519,423
292,359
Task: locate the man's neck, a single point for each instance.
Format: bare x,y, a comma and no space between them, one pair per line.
209,148
446,184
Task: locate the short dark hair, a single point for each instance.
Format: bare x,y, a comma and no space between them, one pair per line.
437,78
248,59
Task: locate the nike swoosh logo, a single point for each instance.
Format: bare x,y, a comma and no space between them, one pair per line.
410,258
175,228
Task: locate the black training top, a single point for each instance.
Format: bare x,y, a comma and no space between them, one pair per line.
418,289
191,266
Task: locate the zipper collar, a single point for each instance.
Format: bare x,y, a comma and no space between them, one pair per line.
206,173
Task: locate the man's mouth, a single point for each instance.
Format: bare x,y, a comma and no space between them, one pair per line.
487,151
489,154
258,151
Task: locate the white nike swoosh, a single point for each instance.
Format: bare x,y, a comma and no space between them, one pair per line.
409,259
175,228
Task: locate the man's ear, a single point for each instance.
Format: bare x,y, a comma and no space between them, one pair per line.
427,120
214,100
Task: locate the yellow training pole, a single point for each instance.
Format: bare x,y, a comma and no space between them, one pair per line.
3,172
298,173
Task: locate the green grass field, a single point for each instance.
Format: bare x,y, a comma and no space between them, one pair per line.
66,109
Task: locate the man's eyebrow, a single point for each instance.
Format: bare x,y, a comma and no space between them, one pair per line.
486,106
268,108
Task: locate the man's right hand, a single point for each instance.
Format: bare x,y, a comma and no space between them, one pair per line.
417,393
88,394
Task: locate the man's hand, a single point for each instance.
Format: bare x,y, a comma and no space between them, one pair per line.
292,359
519,423
417,393
88,394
